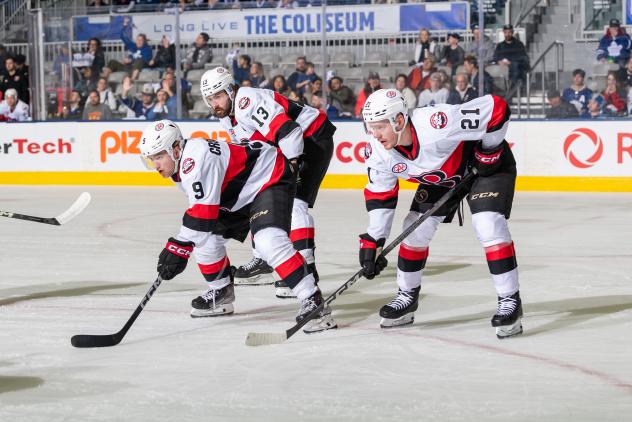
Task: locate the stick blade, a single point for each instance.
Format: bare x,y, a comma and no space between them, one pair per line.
75,209
86,340
263,339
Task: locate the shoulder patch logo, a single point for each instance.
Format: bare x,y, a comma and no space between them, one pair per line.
159,126
220,70
399,168
367,151
439,120
188,165
244,102
390,93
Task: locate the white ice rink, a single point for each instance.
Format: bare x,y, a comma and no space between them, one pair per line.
573,362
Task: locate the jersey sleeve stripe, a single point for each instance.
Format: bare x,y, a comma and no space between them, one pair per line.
316,124
198,224
500,114
381,196
275,125
277,172
282,101
202,211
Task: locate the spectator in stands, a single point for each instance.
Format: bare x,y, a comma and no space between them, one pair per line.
595,108
371,85
73,110
624,74
162,109
3,55
257,77
139,53
280,85
615,98
419,77
241,68
144,107
409,94
21,66
470,64
95,50
436,94
341,97
94,109
165,57
315,88
12,109
488,46
511,52
287,4
87,83
299,75
560,109
310,73
462,91
614,46
168,85
199,53
424,47
453,54
12,78
317,103
106,96
62,58
578,94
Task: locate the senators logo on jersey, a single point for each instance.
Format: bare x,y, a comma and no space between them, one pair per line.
439,120
244,102
399,168
188,165
367,151
159,126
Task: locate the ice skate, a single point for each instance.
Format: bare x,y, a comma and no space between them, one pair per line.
282,290
255,273
324,320
214,302
508,317
401,310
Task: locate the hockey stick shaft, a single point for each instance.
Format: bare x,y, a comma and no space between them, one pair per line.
79,205
253,339
107,340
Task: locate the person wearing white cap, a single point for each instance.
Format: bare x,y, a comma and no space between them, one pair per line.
12,109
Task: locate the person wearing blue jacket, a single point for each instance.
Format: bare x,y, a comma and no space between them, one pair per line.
614,46
139,53
578,94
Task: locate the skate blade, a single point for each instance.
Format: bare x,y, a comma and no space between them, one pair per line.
320,324
407,319
221,310
284,293
258,280
506,331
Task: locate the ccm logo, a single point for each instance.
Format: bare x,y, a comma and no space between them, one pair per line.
488,159
178,250
484,195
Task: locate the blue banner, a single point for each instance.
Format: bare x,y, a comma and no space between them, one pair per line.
434,17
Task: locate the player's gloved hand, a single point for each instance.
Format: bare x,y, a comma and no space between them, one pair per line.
173,258
487,160
369,250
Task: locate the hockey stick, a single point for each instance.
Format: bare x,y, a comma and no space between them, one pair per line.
260,339
79,205
107,340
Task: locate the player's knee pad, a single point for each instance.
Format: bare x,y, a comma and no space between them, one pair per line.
274,246
422,236
491,228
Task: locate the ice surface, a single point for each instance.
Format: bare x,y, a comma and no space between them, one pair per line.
573,362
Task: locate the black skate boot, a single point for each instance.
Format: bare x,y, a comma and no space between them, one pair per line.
324,320
312,268
401,310
508,317
214,302
255,273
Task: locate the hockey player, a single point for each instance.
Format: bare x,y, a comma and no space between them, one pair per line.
434,147
231,189
304,135
12,109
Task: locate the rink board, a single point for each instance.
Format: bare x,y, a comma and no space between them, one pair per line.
551,156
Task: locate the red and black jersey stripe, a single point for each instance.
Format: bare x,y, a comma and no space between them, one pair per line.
201,217
302,238
216,270
501,258
293,270
376,200
293,109
242,162
500,114
411,259
411,152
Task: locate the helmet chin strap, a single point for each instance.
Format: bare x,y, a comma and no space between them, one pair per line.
176,161
399,132
231,95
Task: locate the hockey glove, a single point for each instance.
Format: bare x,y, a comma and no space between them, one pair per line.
487,161
369,250
173,258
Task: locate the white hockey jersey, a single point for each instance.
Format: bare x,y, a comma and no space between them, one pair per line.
20,113
436,156
265,115
217,175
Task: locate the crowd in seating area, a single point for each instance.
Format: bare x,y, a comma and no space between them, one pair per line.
142,85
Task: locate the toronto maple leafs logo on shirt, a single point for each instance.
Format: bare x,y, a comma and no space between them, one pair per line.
244,102
438,120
